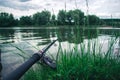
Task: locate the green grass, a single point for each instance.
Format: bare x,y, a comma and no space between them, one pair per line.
80,64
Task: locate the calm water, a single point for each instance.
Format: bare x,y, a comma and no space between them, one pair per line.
31,39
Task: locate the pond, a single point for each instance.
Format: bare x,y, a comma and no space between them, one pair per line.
18,43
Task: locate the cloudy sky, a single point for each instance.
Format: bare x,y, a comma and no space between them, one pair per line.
101,8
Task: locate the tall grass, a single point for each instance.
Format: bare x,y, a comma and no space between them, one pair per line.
80,63
87,65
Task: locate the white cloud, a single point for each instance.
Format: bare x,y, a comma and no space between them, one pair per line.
105,8
100,8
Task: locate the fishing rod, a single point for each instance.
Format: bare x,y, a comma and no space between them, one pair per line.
40,55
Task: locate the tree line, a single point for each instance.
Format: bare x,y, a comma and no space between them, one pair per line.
71,17
112,22
7,20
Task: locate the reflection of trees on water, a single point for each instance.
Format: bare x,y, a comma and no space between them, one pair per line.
72,35
35,33
118,55
112,32
38,34
7,34
119,45
117,49
76,35
44,42
90,33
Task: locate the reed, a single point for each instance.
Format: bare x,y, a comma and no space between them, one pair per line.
81,63
87,65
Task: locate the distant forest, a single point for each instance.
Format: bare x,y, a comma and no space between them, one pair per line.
71,17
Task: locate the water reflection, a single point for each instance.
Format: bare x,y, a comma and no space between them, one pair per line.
112,32
43,36
117,49
6,34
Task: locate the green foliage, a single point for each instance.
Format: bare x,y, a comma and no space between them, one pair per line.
92,20
7,20
61,17
70,17
112,22
53,20
26,20
42,18
81,64
78,17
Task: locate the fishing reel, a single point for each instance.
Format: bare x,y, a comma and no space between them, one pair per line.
45,59
48,61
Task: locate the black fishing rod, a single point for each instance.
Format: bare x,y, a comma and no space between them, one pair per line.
40,55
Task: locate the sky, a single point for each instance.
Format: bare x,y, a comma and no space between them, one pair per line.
101,8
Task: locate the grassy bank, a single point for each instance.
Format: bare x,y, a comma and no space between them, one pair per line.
81,63
87,66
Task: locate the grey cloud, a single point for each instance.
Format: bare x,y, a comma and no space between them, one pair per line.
5,3
24,0
110,6
18,5
47,4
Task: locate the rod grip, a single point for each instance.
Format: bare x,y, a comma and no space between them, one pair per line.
19,72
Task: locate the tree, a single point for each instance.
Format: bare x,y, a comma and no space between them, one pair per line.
26,20
6,20
78,17
42,18
36,18
69,17
93,20
61,17
11,20
53,19
45,17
